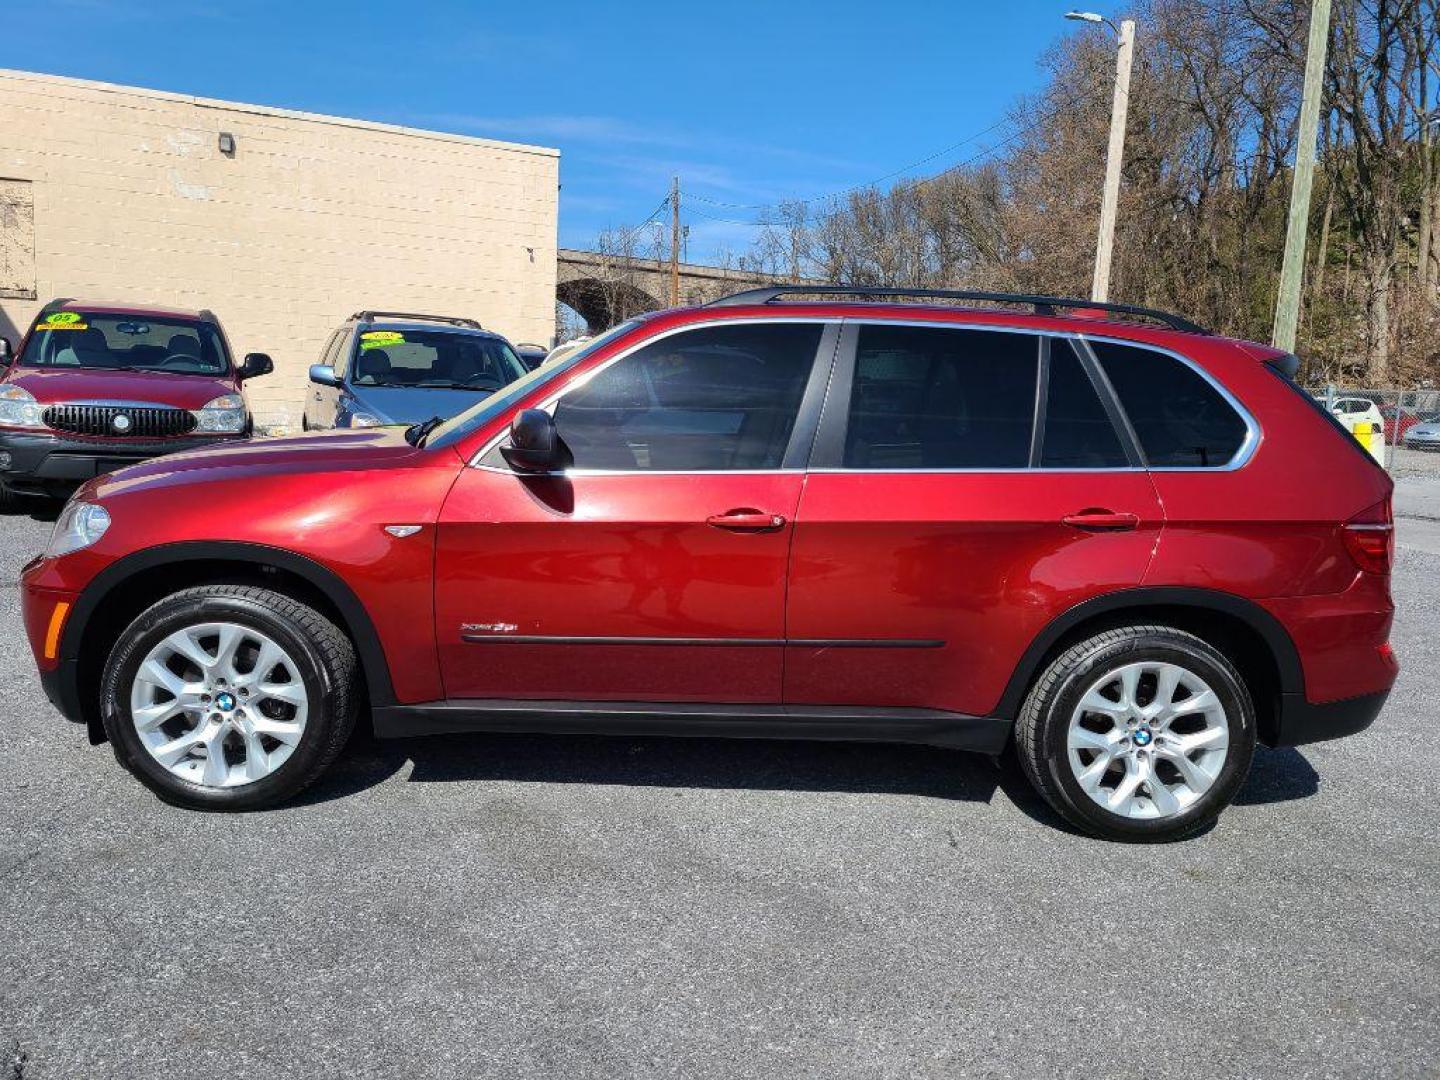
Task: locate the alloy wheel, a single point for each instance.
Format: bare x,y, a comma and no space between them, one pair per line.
1147,739
219,704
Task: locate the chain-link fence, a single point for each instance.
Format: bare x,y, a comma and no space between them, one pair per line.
1400,423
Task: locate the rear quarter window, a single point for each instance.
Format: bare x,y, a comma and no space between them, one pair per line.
1179,417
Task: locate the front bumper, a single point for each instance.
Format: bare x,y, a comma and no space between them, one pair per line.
1429,442
46,462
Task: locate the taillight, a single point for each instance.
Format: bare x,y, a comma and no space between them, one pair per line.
1370,538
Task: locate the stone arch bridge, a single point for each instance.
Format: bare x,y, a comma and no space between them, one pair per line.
607,289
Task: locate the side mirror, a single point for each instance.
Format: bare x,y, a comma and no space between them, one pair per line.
535,445
7,352
255,363
324,375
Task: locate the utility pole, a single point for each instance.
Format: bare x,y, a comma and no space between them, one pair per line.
675,242
1287,304
1110,202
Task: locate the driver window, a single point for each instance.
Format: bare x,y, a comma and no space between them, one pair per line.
721,397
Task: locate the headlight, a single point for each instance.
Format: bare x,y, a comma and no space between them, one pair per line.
79,525
365,419
18,408
223,414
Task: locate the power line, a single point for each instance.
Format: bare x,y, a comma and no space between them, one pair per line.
897,172
629,233
922,180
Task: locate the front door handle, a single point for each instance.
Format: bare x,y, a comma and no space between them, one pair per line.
746,520
1096,520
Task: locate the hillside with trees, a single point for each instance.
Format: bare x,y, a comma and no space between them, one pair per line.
1206,184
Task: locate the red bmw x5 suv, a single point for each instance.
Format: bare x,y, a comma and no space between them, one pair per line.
1125,547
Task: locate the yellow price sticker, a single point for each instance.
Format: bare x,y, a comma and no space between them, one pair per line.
375,339
62,320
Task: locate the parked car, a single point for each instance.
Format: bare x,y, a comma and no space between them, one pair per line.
1127,549
1398,426
532,356
1425,434
1355,410
565,348
98,386
385,367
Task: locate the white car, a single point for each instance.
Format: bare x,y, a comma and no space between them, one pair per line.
1357,410
565,349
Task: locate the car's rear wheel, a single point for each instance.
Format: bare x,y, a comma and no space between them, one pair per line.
229,697
1142,733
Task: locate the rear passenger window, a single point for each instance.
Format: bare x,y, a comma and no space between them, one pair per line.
722,397
1078,432
931,398
1180,419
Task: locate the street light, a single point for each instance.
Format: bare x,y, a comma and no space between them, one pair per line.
1109,203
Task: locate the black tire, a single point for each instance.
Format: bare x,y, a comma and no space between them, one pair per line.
1041,731
9,501
328,671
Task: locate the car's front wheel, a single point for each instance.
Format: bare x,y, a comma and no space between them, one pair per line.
1138,733
229,697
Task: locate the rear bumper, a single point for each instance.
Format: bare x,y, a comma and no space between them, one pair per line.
1302,722
45,462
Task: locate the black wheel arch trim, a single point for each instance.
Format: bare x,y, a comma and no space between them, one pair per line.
1275,636
330,584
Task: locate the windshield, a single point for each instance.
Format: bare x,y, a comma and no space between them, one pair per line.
433,359
78,339
483,411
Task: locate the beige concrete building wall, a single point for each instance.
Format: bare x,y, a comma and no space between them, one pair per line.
124,194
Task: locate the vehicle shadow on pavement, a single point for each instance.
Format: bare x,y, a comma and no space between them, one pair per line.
742,764
1278,776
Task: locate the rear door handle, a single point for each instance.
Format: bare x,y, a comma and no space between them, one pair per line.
746,520
1101,520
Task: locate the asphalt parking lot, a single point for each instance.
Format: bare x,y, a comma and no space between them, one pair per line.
588,907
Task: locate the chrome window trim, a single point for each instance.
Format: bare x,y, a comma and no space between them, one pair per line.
1015,470
548,404
1241,458
647,472
1253,432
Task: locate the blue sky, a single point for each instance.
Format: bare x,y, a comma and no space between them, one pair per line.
748,102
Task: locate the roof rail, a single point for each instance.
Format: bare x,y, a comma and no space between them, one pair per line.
371,316
1042,305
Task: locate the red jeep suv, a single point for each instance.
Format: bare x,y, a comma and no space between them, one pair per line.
99,386
1124,547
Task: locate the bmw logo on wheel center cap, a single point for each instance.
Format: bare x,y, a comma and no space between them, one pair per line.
225,701
1143,736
